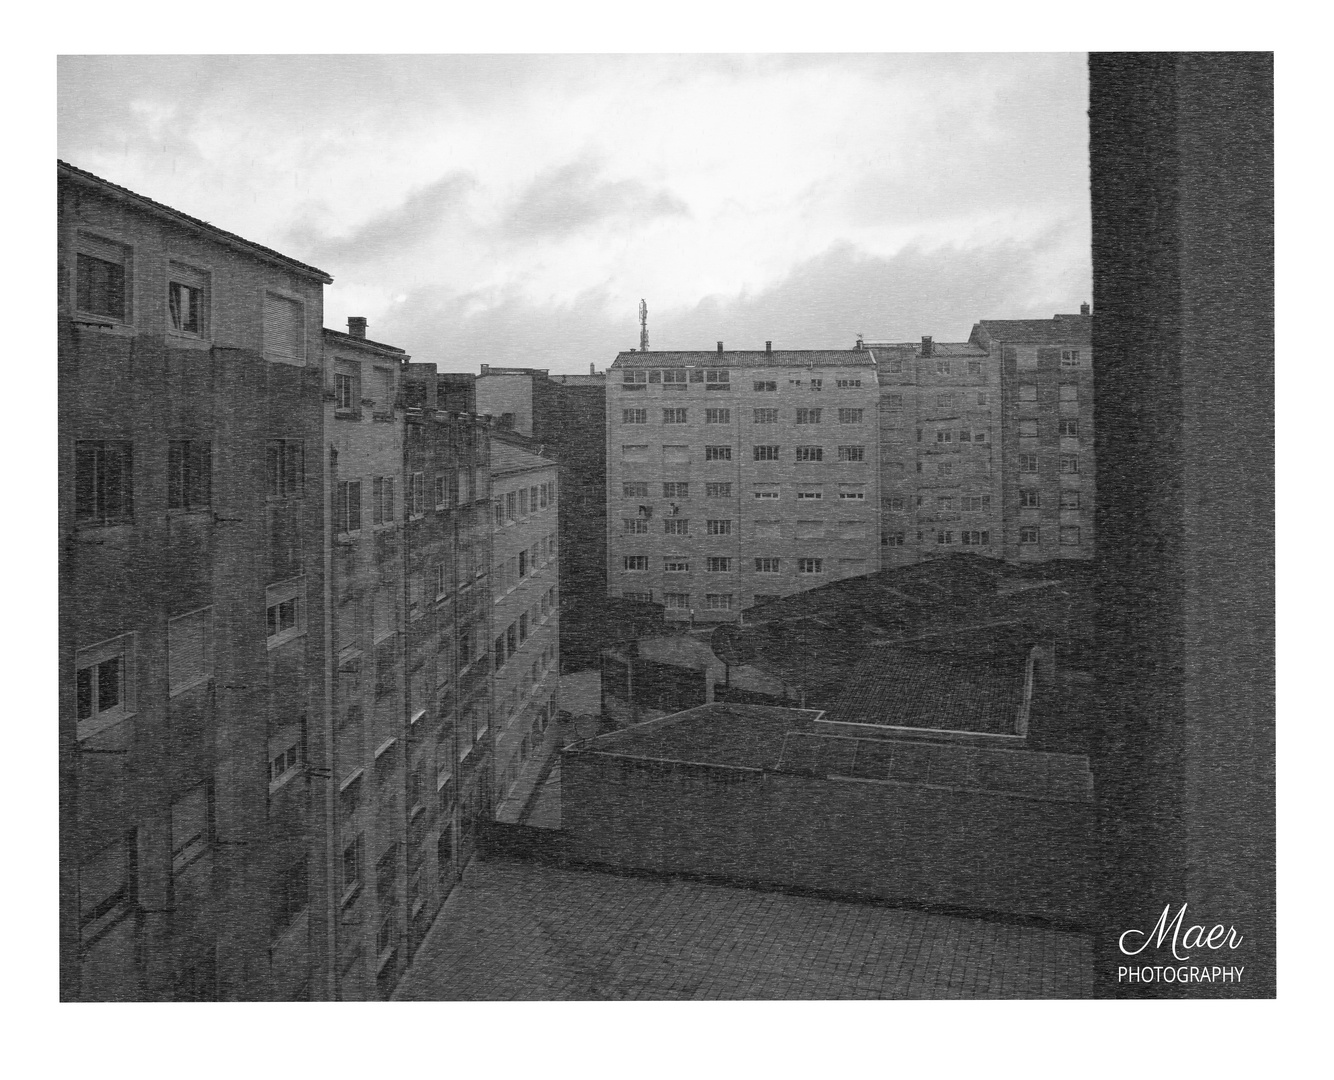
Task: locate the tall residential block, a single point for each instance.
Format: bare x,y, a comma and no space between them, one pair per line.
739,476
191,693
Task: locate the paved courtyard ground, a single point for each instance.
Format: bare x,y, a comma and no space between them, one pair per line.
518,930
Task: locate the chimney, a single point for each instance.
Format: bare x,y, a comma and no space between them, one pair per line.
720,346
860,343
926,344
356,326
768,348
591,370
1084,309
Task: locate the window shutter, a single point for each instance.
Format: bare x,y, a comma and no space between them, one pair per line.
188,648
283,336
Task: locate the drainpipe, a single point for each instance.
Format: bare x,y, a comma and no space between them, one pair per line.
330,796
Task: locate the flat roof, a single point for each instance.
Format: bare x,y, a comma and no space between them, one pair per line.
704,358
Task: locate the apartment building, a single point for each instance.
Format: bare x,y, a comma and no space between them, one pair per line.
735,477
1046,368
525,617
940,468
194,761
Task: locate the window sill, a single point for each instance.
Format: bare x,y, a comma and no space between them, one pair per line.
95,725
352,415
279,640
88,532
106,323
284,780
199,513
175,692
291,361
349,897
179,340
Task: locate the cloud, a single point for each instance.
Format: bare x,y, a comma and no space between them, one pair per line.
393,233
574,197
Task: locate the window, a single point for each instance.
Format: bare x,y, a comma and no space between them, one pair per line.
286,610
634,489
983,398
500,652
676,490
636,562
189,649
103,482
676,564
104,684
892,401
1028,392
850,416
284,329
942,367
100,278
765,386
107,887
808,416
189,475
674,380
810,530
511,506
441,492
766,491
717,416
945,401
812,494
718,379
676,601
1028,534
637,452
1069,463
979,436
1070,358
817,384
766,566
523,502
634,380
1069,534
944,435
382,500
719,527
189,828
635,525
673,416
810,566
717,453
718,564
1069,500
185,300
634,416
285,758
1028,429
718,490
1068,428
848,384
893,539
896,367
810,453
286,468
852,453
944,503
1069,392
894,504
344,392
523,628
975,537
1029,500
347,514
545,489
646,597
974,503
944,536
765,416
1028,463
945,468
718,601
353,855
974,367
676,526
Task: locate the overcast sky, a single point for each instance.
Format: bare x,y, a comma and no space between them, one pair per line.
514,209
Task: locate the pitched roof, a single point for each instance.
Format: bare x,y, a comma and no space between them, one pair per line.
162,210
377,346
938,348
1058,330
506,458
797,358
917,689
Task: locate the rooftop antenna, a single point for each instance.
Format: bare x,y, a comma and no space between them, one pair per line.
643,326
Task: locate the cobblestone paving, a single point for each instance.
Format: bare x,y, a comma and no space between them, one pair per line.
516,930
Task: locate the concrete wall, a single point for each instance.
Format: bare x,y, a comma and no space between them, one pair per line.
966,849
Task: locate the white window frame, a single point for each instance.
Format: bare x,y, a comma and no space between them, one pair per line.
123,646
176,684
810,565
192,277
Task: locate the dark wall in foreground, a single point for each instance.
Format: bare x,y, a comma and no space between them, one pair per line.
1181,150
